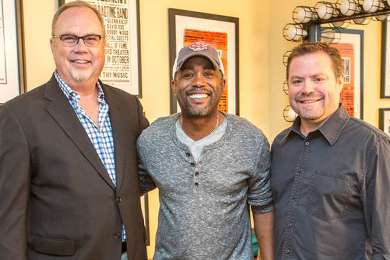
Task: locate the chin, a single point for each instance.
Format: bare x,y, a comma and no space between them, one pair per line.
80,76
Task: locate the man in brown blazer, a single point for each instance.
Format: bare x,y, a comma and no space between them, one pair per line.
68,164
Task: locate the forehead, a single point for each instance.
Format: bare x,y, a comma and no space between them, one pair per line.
197,61
78,19
314,63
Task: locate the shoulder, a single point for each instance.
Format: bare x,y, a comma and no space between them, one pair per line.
245,130
362,130
159,129
278,139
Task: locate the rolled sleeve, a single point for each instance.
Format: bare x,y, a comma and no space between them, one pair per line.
376,199
259,193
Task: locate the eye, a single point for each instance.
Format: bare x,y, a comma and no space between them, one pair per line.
208,73
296,81
91,39
320,79
69,38
187,74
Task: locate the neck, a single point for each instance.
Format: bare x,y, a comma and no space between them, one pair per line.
200,127
84,90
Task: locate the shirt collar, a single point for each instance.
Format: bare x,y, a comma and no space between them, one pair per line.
73,95
330,129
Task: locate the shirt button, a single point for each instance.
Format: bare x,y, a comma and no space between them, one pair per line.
188,154
307,143
287,251
196,184
119,199
196,173
193,164
117,235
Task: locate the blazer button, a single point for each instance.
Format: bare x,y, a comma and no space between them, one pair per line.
119,199
117,235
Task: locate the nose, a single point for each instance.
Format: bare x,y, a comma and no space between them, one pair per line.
199,80
80,44
308,87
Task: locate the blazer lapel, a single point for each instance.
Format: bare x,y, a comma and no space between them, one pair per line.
119,135
63,113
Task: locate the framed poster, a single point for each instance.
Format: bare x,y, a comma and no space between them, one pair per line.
221,32
384,120
12,80
351,47
385,62
122,68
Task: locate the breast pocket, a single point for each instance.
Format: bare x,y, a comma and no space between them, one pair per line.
329,195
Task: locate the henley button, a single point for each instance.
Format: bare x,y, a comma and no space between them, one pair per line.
196,173
287,251
188,154
193,164
307,143
196,184
119,199
117,235
289,225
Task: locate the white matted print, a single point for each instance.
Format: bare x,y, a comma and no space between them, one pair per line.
122,68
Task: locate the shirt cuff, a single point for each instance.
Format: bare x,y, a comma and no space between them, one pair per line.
262,209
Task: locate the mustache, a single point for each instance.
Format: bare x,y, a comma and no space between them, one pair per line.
301,97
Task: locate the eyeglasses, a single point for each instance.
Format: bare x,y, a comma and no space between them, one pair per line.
70,40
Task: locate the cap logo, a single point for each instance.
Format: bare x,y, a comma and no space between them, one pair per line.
198,46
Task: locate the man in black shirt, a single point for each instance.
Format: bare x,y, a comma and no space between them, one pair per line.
330,172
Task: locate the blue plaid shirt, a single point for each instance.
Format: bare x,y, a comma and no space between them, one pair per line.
101,137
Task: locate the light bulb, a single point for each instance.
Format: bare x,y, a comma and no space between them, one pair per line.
294,32
347,8
291,115
323,11
291,32
303,15
371,5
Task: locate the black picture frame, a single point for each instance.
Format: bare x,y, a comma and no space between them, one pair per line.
385,60
384,120
211,21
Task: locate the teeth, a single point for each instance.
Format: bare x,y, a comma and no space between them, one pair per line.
198,96
80,61
308,101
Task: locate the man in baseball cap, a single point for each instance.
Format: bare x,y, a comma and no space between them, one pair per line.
209,166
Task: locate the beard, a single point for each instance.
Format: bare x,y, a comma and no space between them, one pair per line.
80,75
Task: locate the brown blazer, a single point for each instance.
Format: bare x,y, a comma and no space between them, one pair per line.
57,201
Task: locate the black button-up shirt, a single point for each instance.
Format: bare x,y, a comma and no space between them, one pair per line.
332,191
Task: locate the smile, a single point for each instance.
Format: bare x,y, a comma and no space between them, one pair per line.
198,96
309,101
81,61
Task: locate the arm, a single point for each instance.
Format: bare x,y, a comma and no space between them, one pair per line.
146,182
264,229
15,174
376,199
260,198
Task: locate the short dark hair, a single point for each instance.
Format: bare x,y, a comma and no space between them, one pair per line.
76,4
312,47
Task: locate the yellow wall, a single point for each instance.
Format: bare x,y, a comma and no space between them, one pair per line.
261,49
